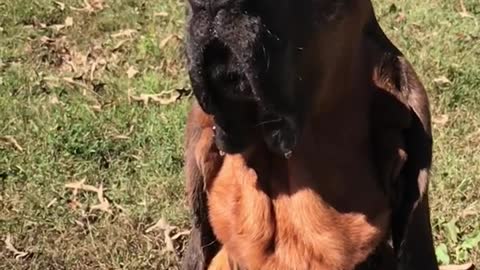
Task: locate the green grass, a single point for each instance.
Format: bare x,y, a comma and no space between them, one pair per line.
75,124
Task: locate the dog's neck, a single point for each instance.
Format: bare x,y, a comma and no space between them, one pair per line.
343,94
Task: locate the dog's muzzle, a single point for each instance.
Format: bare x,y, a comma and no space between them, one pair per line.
230,56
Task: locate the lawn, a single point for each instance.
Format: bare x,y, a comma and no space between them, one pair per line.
93,99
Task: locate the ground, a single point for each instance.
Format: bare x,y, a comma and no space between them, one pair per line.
93,98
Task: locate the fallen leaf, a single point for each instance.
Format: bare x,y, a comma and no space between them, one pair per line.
160,225
440,120
57,27
74,204
97,4
125,33
80,185
165,41
10,247
12,141
163,98
79,223
60,5
169,247
160,14
180,234
131,72
52,202
120,137
104,205
96,108
463,11
467,266
91,6
442,81
68,22
119,45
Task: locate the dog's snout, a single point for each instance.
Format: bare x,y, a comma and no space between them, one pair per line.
214,6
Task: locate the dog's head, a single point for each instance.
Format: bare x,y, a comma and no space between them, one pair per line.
254,64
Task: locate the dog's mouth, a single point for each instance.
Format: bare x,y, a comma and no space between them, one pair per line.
235,67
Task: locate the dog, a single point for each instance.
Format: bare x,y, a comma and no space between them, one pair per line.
309,144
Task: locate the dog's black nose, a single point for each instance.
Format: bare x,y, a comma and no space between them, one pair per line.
214,6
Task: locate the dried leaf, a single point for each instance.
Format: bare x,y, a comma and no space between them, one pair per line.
74,204
165,41
125,33
104,205
467,266
91,6
12,141
97,4
160,14
169,247
131,72
79,223
52,202
164,98
68,22
60,5
80,185
10,247
120,137
440,120
96,108
463,11
160,225
57,27
180,234
119,45
442,81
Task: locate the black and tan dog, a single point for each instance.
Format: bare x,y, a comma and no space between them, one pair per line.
309,146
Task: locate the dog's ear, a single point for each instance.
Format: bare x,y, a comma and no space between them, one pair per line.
201,163
403,147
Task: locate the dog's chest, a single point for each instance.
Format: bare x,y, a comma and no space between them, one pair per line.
305,225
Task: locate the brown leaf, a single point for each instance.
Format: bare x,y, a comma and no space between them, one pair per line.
119,45
12,141
74,204
167,229
52,202
467,266
170,37
125,33
166,98
60,5
80,185
10,247
160,14
104,205
442,81
131,72
91,6
463,11
180,234
68,22
160,225
440,120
